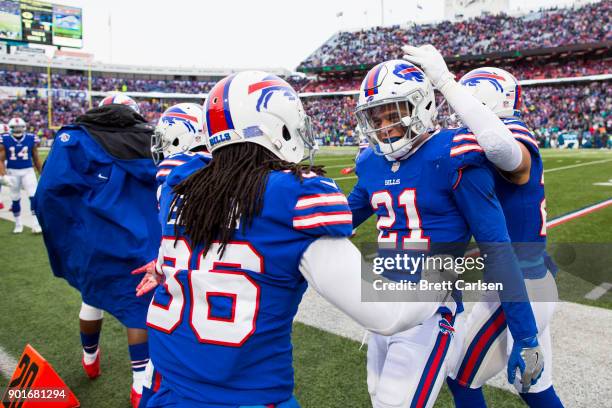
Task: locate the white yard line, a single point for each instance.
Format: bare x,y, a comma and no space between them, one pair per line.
7,363
598,291
572,166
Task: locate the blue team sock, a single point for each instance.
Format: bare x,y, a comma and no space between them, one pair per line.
544,399
16,208
139,354
466,397
90,342
32,205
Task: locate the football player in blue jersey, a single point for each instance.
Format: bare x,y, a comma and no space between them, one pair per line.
97,206
20,150
428,190
178,138
519,184
242,239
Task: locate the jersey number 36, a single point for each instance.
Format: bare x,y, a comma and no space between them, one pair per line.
211,278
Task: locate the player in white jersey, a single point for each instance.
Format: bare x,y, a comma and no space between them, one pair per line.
20,150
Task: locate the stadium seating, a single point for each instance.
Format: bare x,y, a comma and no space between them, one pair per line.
531,70
581,107
484,34
549,110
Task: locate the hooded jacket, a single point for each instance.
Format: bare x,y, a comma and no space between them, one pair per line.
96,203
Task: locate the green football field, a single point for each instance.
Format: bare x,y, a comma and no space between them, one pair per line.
329,370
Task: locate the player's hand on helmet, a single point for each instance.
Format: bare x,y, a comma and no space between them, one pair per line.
527,357
431,62
151,279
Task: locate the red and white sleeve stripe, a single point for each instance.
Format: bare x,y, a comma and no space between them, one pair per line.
162,173
525,138
467,136
171,162
322,219
317,200
471,147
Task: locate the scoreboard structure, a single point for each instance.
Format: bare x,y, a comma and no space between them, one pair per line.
39,22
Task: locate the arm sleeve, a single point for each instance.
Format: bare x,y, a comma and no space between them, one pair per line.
475,197
337,279
491,133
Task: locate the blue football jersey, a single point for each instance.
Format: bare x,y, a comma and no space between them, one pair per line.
19,151
524,206
442,194
168,164
220,328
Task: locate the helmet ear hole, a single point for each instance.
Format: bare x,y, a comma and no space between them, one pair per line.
428,105
175,142
286,134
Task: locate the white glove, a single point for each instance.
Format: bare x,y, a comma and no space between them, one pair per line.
6,181
431,62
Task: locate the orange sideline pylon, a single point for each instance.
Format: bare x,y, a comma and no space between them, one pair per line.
36,384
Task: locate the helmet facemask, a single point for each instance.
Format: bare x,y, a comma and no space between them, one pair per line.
158,145
17,131
393,126
307,135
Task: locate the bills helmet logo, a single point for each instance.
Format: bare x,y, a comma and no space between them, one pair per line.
268,86
477,76
408,72
174,115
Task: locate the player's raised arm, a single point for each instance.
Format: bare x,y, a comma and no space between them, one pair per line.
332,265
474,193
491,133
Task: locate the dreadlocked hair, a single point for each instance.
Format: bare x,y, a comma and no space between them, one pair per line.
231,187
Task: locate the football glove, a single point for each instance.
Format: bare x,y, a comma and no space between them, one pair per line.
527,357
431,62
6,181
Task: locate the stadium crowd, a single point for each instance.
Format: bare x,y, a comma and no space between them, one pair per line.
480,35
549,110
584,110
523,70
80,82
17,78
332,118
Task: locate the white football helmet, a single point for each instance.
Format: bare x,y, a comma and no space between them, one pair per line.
257,107
17,127
401,93
179,129
120,99
496,89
